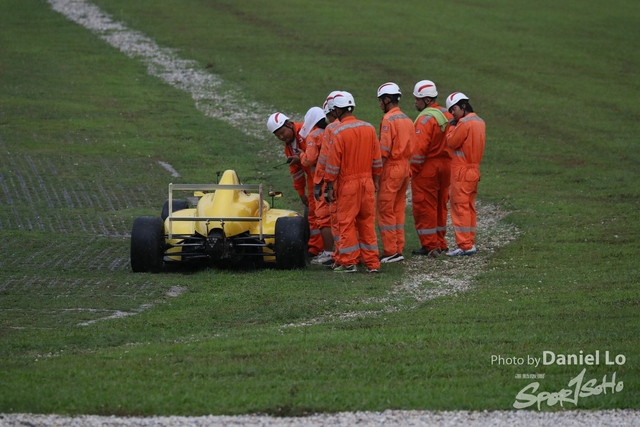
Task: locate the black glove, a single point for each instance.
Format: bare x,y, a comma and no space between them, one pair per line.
326,194
317,191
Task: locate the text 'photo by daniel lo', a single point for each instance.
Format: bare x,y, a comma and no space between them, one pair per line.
578,387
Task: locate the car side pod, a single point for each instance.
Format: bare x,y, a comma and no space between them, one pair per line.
291,242
147,244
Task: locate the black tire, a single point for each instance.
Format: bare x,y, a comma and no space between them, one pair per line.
147,244
177,205
291,242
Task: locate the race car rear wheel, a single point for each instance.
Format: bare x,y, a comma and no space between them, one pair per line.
291,241
147,244
176,205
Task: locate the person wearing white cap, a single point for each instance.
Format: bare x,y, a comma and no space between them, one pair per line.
396,140
352,174
466,137
326,212
430,171
291,133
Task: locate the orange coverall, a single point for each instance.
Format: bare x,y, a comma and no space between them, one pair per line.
324,211
304,185
396,135
430,179
354,159
309,159
467,139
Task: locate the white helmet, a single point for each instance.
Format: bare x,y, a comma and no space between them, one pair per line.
425,88
343,100
328,104
276,121
454,98
389,89
313,116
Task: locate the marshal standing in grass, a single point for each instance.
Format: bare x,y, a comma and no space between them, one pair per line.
466,137
313,132
353,168
396,136
430,171
326,214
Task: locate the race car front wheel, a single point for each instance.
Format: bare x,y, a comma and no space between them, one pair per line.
291,242
147,244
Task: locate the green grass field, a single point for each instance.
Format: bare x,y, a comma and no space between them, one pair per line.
83,127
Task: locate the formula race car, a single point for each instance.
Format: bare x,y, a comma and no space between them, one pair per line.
228,227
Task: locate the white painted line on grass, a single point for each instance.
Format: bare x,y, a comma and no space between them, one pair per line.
174,173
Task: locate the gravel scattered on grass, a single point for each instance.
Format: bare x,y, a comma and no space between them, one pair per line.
613,418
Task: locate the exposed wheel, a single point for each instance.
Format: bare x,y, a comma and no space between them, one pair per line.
177,205
147,244
291,242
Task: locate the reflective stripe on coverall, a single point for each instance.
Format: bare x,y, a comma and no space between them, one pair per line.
396,135
310,158
467,139
327,212
303,184
430,179
353,161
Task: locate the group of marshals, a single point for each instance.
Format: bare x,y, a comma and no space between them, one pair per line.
339,163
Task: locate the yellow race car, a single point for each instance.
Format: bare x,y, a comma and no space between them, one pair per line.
229,226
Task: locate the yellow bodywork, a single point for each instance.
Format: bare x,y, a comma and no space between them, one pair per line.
226,203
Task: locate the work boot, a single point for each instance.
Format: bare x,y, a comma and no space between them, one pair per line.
392,258
321,258
347,269
462,252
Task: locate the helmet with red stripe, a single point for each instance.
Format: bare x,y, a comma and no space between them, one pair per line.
276,121
328,104
389,88
343,100
425,88
454,98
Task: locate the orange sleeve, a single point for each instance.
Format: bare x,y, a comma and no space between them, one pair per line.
457,135
314,144
386,138
421,141
376,164
334,160
322,158
297,173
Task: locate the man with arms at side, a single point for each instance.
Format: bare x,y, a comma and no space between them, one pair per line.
430,171
396,134
326,213
352,174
